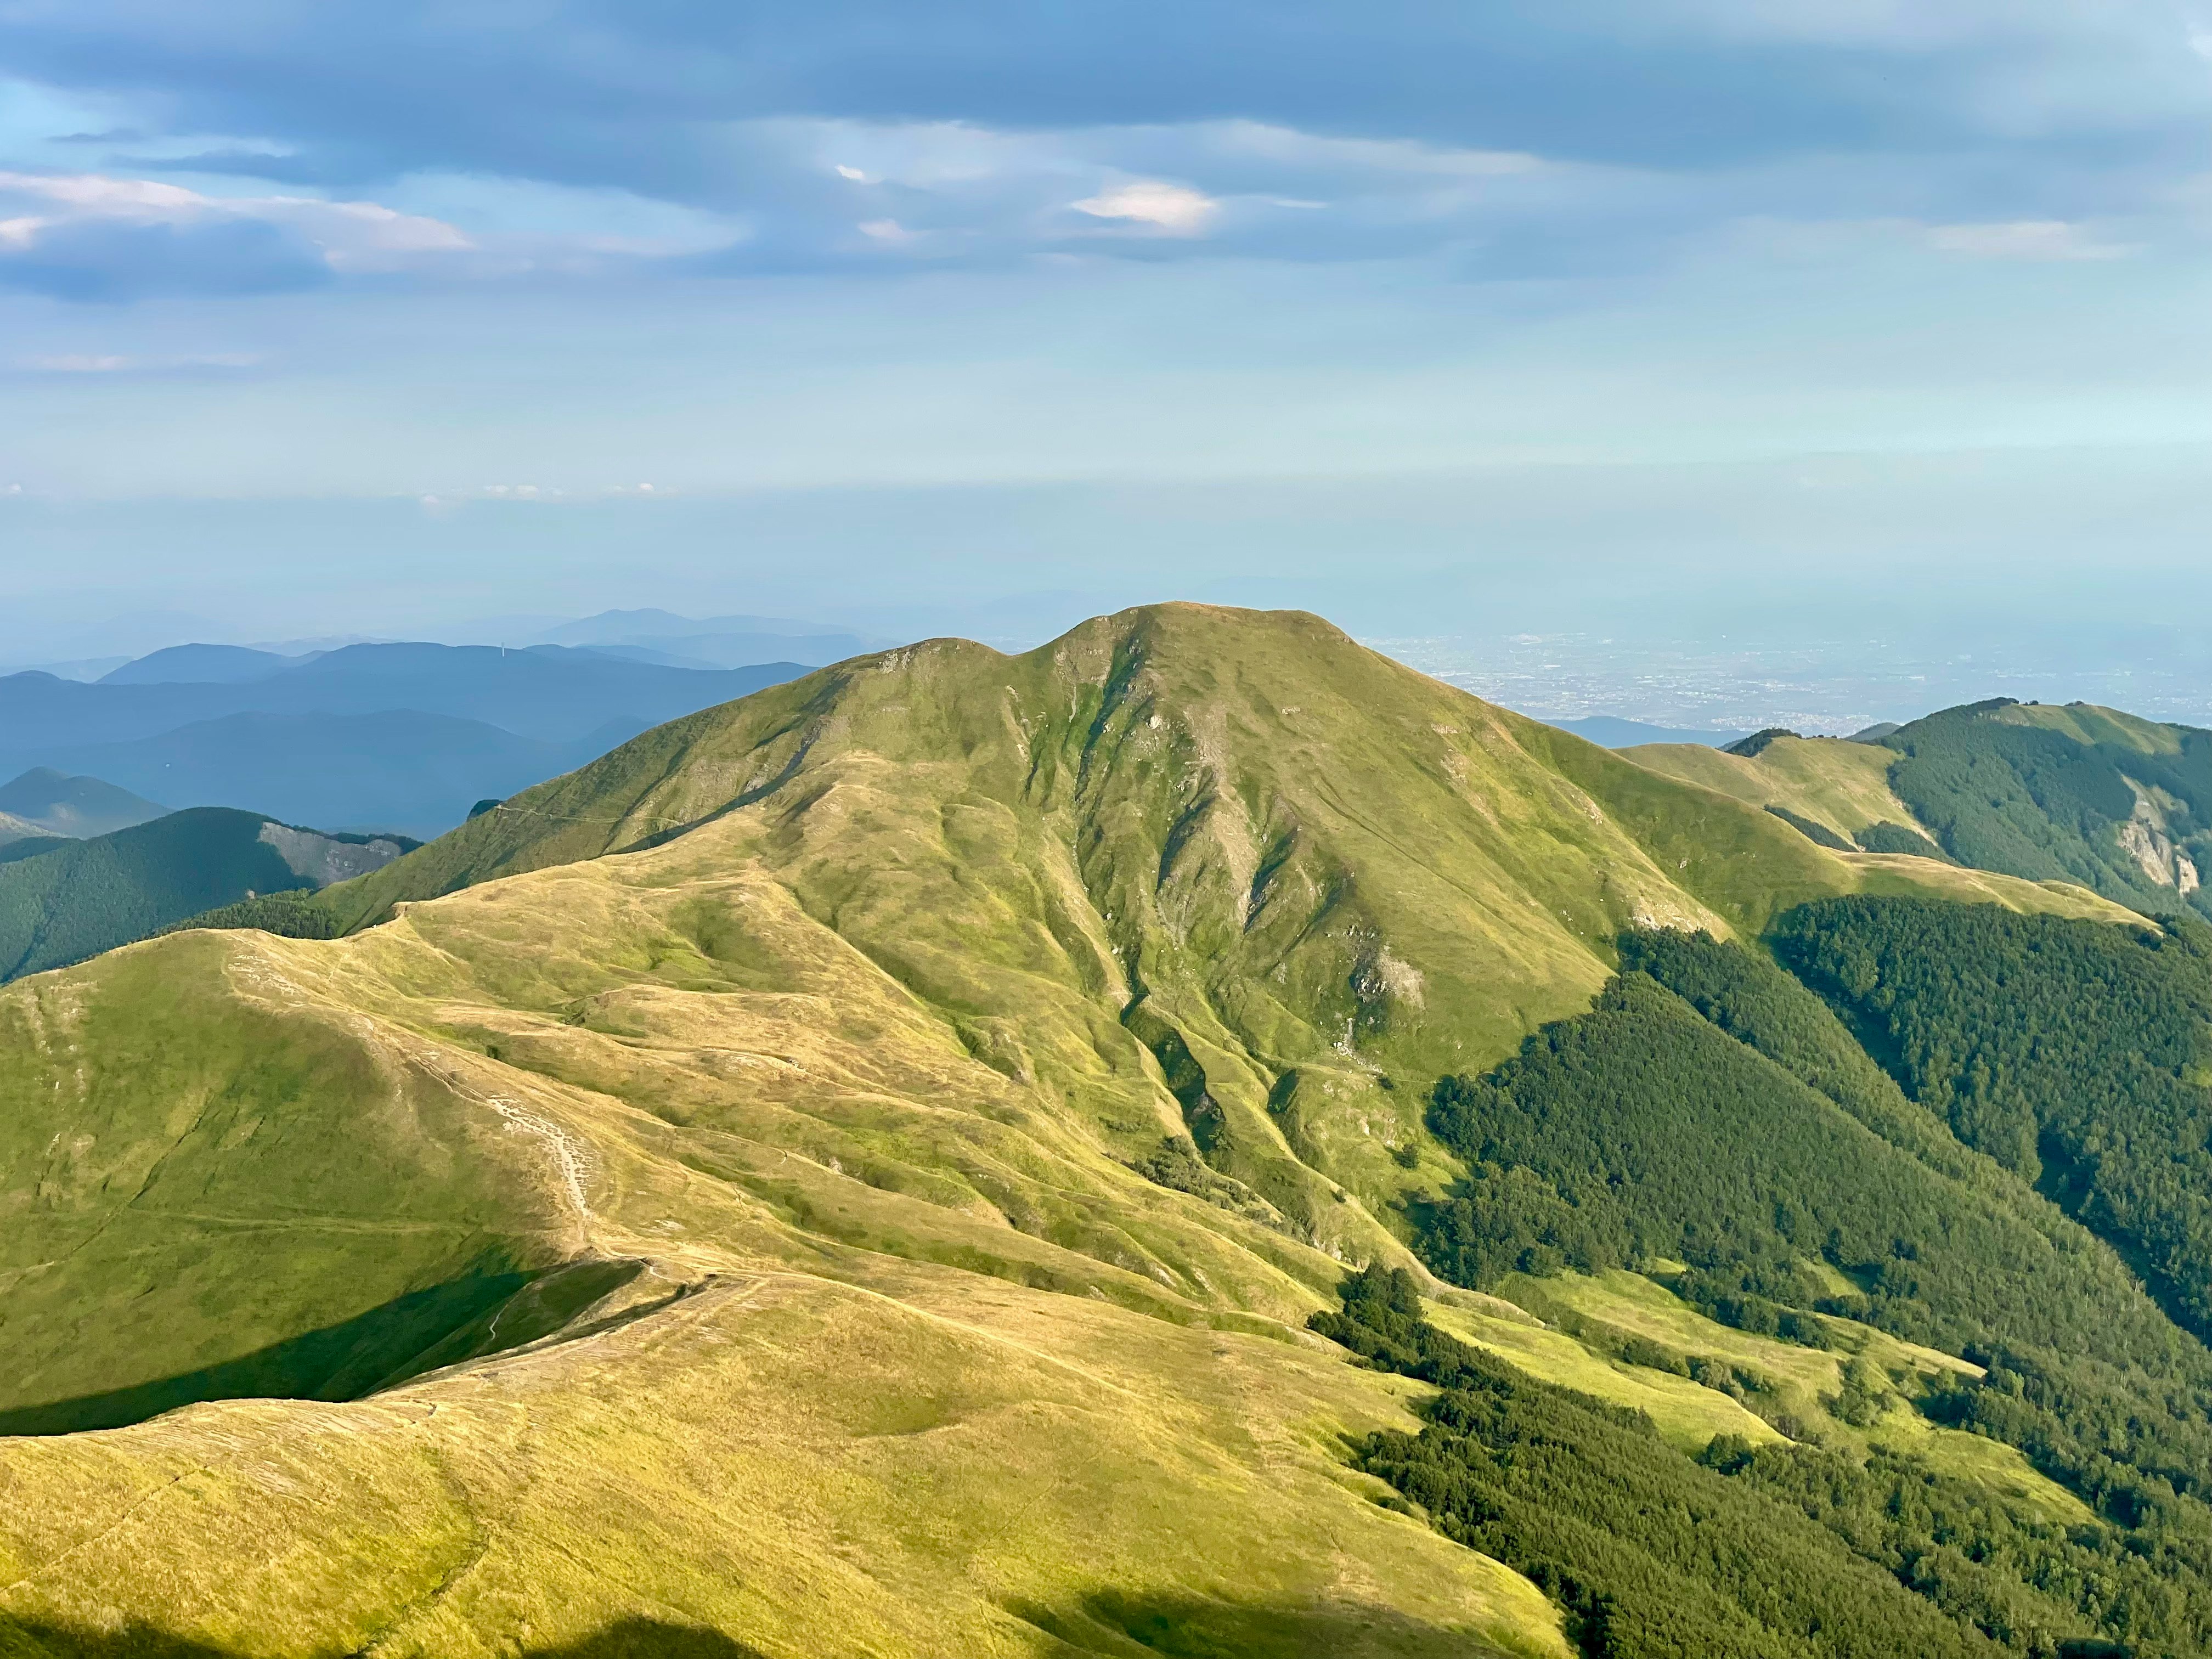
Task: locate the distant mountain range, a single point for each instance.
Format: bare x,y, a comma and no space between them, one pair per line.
552,693
403,737
400,770
45,802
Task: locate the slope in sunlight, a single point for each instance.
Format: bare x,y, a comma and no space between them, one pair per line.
2076,792
905,1118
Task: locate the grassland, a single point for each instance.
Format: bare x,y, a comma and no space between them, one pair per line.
850,1018
1842,785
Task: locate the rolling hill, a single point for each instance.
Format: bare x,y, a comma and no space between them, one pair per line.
45,802
77,898
2075,794
199,665
1835,785
852,1171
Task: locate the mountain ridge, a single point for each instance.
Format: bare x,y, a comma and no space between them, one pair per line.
975,1057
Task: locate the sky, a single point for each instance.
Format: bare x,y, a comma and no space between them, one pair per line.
1824,320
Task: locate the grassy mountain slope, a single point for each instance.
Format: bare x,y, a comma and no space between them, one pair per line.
78,898
988,1062
918,1422
1842,785
2076,793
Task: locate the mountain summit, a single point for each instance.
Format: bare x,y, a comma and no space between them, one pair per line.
862,1156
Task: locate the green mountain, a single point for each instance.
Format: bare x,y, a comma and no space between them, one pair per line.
2079,795
45,802
856,1170
68,899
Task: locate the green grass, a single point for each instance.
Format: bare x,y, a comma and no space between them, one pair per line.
77,900
1841,785
867,999
1609,1308
2078,793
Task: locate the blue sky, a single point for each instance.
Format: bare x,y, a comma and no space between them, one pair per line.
1678,314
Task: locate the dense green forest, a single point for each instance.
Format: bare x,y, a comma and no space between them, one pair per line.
2045,798
2074,1054
87,897
1711,1110
297,914
205,867
1778,1551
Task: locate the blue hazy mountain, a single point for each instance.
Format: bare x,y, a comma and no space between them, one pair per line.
200,664
403,737
394,770
551,693
54,804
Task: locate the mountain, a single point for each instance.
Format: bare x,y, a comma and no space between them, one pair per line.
80,898
547,693
2078,793
400,737
1835,790
401,771
2081,793
50,803
1609,733
879,1166
200,664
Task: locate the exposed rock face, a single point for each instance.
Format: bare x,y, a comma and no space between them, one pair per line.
324,860
2144,838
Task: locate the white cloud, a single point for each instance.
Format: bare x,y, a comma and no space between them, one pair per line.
890,231
2053,239
349,236
111,363
1176,208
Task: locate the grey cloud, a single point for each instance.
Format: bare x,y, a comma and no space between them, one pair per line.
112,261
1658,120
599,91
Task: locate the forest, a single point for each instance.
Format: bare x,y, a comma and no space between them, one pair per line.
1975,1130
1788,1551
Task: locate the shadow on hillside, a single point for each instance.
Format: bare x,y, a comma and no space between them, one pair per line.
626,1638
1106,1623
486,1310
1186,1626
